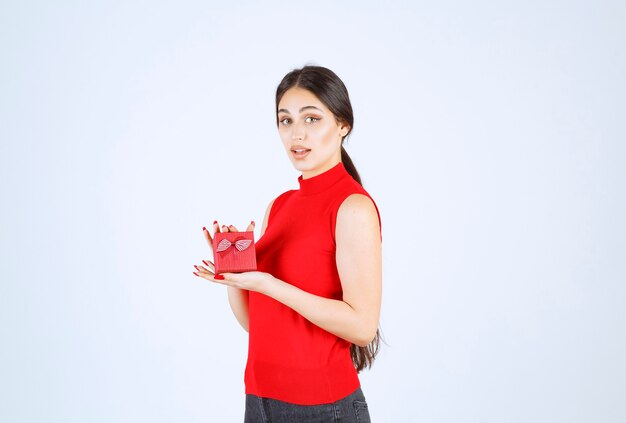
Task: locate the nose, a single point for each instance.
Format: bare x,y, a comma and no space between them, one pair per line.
297,132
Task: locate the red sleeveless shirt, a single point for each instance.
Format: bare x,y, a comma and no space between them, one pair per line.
290,358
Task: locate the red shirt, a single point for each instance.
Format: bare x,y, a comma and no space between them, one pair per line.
290,358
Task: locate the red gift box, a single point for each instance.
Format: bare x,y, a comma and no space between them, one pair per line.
234,252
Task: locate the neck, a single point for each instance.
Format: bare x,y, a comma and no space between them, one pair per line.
322,181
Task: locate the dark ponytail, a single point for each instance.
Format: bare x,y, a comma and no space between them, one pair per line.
331,91
347,163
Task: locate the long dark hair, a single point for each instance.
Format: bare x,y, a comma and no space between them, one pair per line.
331,91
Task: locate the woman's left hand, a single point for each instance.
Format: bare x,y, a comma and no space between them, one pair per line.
252,281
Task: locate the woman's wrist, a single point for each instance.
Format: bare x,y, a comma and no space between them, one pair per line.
271,286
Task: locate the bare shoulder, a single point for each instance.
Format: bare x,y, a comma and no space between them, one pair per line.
357,210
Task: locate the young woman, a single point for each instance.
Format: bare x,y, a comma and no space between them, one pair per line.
313,305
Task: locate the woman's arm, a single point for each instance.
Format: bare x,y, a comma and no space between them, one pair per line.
238,298
359,262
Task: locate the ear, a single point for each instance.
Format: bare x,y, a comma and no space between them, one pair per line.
343,129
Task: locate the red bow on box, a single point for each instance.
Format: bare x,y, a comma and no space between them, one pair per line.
241,245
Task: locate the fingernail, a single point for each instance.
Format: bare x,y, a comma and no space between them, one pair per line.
220,277
252,222
204,228
205,262
215,222
196,267
195,274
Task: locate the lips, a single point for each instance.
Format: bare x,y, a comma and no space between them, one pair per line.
299,152
299,149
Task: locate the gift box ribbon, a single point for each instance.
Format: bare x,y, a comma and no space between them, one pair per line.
241,244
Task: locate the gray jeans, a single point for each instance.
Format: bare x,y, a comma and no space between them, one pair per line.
352,408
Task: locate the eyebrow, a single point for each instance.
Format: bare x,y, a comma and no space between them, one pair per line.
301,109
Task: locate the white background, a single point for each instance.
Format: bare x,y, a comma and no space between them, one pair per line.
490,134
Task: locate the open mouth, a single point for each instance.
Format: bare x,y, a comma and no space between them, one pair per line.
300,153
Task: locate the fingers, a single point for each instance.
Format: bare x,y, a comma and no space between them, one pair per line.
203,272
232,228
207,234
225,228
209,264
211,276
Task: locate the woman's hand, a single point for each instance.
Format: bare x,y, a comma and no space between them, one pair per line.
251,281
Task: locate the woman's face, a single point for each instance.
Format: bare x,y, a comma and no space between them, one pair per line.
304,123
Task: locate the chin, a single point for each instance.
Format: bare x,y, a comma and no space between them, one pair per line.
302,165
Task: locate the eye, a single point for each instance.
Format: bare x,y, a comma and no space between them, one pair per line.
311,117
283,120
